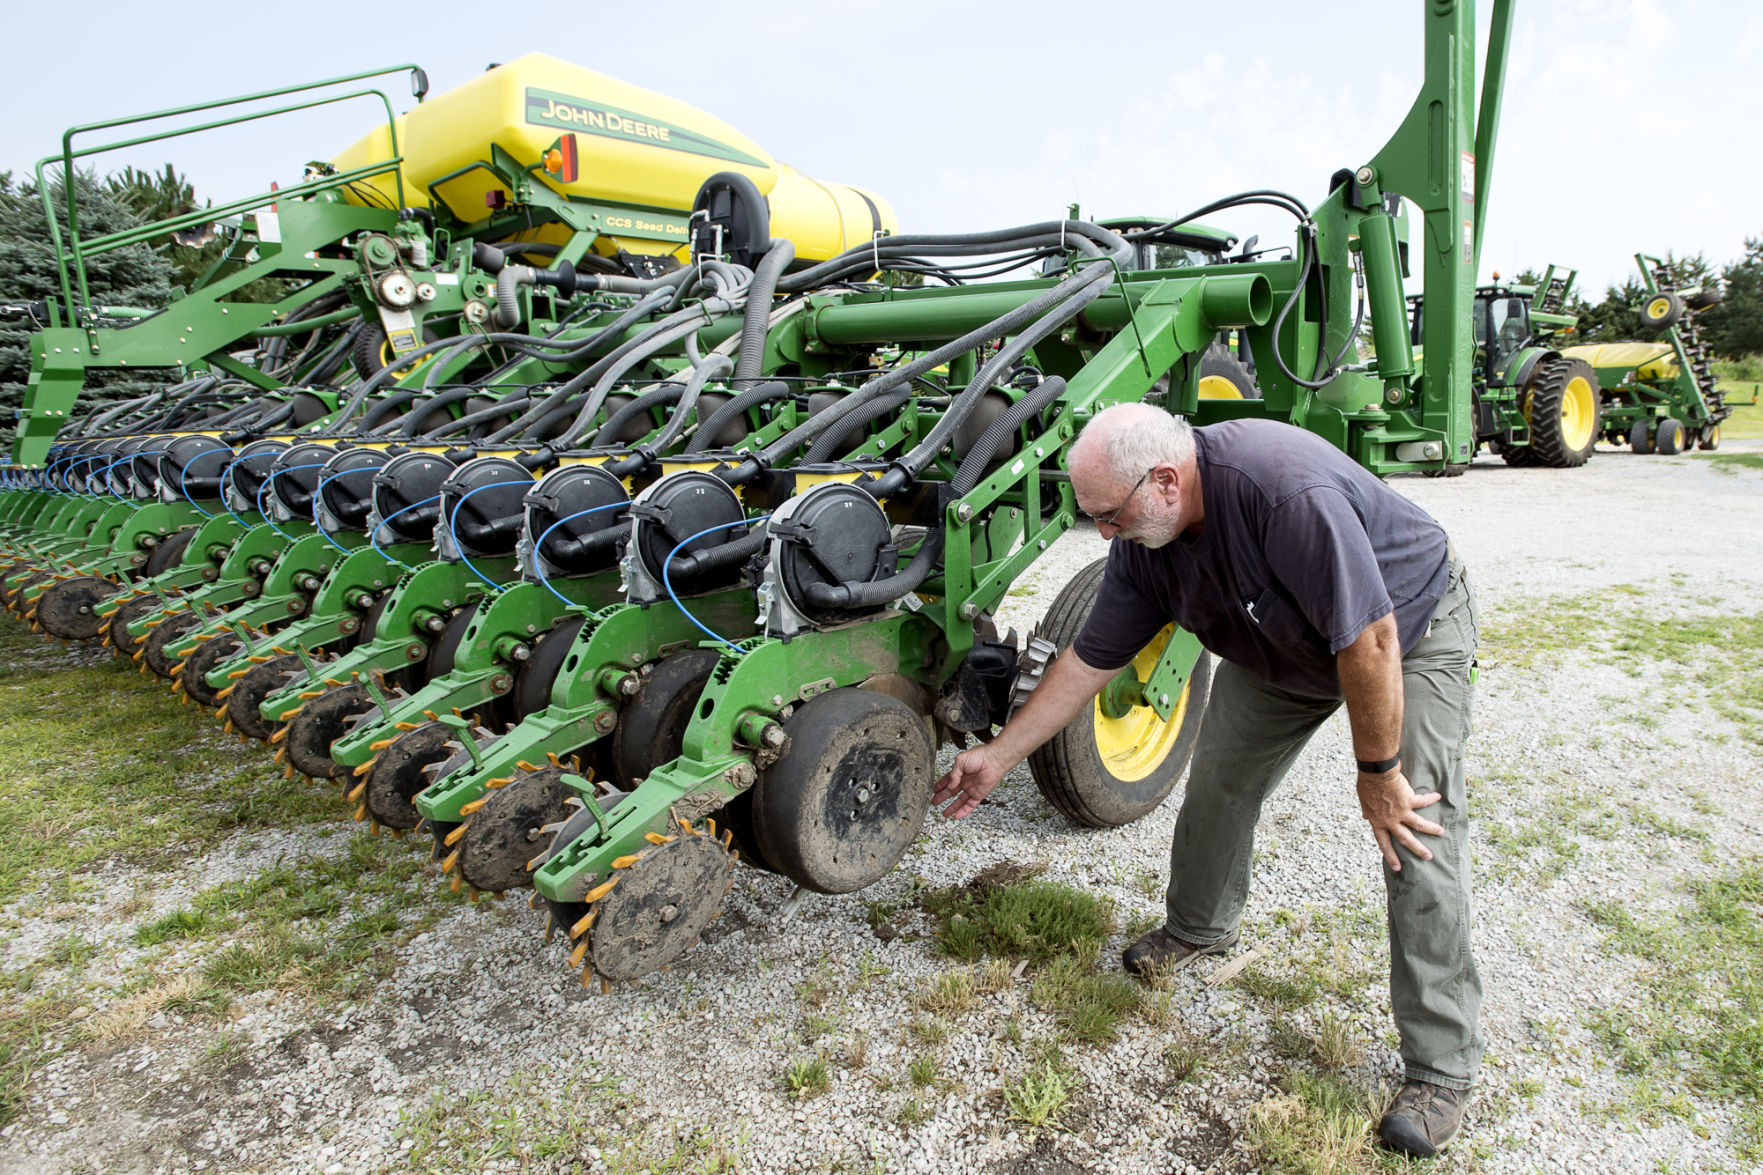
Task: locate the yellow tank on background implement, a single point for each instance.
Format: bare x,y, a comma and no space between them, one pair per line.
635,148
1651,361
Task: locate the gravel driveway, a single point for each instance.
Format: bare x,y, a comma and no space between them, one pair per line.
1602,779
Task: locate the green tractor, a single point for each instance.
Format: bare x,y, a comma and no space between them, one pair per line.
1535,403
1661,397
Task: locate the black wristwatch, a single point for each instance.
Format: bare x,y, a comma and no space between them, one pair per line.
1379,767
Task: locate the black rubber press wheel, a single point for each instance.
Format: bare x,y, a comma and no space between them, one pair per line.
846,799
652,728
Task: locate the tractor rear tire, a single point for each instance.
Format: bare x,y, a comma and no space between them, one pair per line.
1661,311
1640,437
1668,437
1709,440
1564,406
1103,772
1223,376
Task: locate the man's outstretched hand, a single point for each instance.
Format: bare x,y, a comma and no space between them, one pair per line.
975,774
1388,801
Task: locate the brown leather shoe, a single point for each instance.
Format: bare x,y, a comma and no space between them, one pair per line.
1158,952
1423,1118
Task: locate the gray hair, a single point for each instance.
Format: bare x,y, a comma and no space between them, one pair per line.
1137,437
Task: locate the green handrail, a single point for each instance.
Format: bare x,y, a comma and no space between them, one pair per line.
118,240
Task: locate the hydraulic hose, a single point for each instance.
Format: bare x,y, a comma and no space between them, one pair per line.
407,426
383,410
907,468
667,393
960,244
1003,325
759,294
967,475
641,308
611,369
684,395
508,282
713,558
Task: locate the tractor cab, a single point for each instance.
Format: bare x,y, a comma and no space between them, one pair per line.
1502,330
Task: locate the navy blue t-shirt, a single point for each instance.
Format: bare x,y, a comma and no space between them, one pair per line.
1299,551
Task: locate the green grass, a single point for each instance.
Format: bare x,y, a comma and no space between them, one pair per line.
549,1122
1036,920
1748,368
1739,378
1699,1023
98,764
327,926
1713,656
25,1027
1734,463
1056,930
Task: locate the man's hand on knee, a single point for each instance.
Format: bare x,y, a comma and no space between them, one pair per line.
1390,804
976,772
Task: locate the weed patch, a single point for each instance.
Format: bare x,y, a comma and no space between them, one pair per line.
1057,930
1734,463
547,1122
1035,920
1036,1096
1701,1022
1320,1125
1712,656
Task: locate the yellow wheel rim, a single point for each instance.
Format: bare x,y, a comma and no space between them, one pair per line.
1579,413
1216,387
1135,744
389,356
1657,308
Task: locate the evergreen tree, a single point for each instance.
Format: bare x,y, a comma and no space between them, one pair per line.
156,196
133,276
1735,327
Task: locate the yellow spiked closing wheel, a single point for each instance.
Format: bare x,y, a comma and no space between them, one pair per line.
654,906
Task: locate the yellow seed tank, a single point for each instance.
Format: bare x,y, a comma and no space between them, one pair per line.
635,147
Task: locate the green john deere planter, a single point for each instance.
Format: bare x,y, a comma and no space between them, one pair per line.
688,568
1661,397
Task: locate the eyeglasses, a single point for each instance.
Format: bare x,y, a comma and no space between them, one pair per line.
1108,519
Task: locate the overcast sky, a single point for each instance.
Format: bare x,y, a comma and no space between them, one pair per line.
1628,125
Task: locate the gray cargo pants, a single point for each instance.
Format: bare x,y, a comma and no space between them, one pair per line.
1249,738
